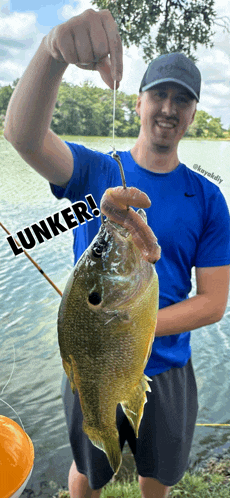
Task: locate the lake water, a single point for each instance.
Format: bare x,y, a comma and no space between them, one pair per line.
28,316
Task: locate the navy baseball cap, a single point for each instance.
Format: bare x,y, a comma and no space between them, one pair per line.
175,67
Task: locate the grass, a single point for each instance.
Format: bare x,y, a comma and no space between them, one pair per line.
211,482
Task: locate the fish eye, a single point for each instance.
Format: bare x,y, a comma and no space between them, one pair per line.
94,298
99,247
97,251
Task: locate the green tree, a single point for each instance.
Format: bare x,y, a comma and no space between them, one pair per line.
199,127
5,94
205,125
181,24
201,122
87,110
215,128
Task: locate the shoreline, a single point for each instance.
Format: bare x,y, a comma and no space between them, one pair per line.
208,479
82,137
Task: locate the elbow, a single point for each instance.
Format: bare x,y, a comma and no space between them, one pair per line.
11,134
10,139
220,314
7,133
213,308
217,314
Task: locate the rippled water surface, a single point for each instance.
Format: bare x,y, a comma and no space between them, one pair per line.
28,316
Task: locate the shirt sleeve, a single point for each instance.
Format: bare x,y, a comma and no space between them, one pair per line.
92,171
214,243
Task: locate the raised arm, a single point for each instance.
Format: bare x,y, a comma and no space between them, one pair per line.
91,38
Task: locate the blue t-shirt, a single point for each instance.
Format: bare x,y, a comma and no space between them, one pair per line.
188,215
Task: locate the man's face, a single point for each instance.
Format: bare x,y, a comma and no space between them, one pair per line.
166,111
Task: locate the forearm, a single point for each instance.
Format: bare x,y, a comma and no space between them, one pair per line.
187,315
30,110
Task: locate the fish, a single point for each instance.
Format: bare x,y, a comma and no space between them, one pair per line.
107,319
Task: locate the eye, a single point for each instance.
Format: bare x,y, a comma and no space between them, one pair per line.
159,95
94,298
182,99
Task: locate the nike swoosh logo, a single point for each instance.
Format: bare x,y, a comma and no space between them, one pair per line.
189,195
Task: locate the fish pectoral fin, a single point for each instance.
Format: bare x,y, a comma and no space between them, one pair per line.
134,406
107,441
69,370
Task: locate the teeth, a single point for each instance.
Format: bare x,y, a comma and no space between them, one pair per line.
165,125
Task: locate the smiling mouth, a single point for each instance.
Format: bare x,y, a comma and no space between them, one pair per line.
165,125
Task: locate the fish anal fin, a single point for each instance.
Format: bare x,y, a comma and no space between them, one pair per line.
134,406
107,441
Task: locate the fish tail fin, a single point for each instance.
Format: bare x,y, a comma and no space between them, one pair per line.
134,406
107,441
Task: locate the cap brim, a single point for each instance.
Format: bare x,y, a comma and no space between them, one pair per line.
173,80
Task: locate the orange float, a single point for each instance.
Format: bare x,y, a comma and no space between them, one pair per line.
16,458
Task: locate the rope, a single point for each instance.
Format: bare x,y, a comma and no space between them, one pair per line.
213,425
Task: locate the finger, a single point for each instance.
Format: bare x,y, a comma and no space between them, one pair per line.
113,206
98,36
100,49
130,196
83,46
104,68
49,41
66,47
115,45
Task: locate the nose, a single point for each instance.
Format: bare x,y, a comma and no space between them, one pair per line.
169,107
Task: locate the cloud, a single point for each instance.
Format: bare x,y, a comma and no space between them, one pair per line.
17,25
214,65
71,10
10,70
19,38
5,6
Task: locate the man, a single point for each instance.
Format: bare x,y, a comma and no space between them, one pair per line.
188,215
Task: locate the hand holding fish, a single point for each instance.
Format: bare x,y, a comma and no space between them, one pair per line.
114,205
88,40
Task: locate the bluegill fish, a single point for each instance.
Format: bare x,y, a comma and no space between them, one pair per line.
107,321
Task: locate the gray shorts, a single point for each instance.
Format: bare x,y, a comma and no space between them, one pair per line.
165,435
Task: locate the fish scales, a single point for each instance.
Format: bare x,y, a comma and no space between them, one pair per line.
106,326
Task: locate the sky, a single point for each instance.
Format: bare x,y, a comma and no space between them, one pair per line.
22,29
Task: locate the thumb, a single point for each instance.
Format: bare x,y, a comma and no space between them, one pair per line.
104,68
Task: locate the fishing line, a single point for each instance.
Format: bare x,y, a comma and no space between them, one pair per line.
114,109
114,154
10,374
213,425
5,402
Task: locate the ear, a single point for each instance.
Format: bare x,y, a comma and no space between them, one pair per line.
193,116
138,105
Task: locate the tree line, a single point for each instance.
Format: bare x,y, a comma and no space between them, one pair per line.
87,110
